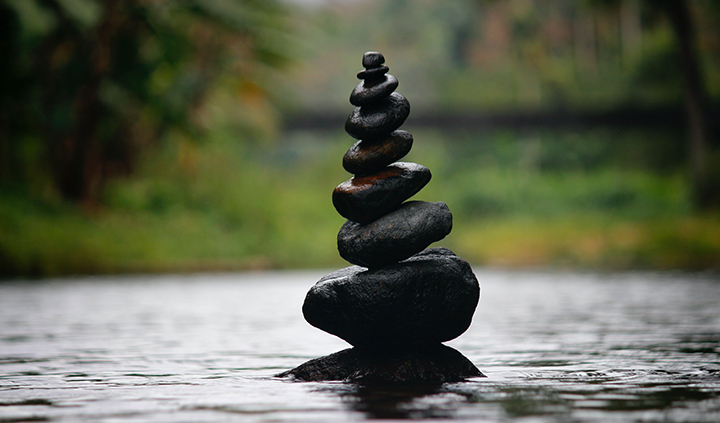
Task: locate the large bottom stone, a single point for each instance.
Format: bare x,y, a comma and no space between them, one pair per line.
434,363
426,299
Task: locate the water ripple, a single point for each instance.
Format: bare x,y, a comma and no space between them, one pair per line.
555,347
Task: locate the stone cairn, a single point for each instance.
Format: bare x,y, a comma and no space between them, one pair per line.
400,300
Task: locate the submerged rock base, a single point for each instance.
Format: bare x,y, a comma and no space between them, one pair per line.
432,363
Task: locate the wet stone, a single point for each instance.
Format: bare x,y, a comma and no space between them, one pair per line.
378,119
371,156
394,236
436,363
426,299
367,197
372,59
369,91
373,73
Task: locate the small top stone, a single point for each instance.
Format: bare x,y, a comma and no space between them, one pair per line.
372,59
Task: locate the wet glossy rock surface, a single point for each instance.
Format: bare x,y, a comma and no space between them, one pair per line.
373,73
372,59
437,363
368,197
378,119
426,299
366,157
370,91
394,236
399,302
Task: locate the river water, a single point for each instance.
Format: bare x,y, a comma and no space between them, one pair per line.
569,347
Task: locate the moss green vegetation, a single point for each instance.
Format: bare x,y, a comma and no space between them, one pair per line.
578,200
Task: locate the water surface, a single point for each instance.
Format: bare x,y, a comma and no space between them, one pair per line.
204,348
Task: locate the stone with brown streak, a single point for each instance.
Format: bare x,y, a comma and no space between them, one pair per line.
364,198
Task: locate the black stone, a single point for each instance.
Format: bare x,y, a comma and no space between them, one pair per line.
366,198
436,363
426,299
372,59
394,236
378,119
366,157
374,73
370,91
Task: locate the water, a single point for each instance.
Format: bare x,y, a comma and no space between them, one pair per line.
203,348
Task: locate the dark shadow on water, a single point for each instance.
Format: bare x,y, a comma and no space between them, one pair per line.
398,401
532,396
447,401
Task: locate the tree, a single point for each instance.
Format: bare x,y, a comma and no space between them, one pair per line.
704,193
92,87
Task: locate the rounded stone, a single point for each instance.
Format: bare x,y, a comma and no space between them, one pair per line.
426,299
394,236
366,198
378,119
370,91
371,156
372,59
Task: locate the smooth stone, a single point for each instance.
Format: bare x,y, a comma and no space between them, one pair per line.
439,364
394,236
378,119
370,91
427,299
365,198
372,59
370,156
373,73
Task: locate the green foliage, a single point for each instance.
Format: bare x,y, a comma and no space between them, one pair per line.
223,205
161,118
490,55
93,83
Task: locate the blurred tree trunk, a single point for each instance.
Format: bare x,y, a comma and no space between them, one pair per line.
9,34
90,86
704,194
77,156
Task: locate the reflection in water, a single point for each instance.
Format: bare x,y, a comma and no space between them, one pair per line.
554,347
404,401
557,396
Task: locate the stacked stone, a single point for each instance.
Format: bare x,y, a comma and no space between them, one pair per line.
400,300
381,230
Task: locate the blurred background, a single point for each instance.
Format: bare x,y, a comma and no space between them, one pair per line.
207,135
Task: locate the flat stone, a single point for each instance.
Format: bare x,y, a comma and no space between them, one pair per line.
372,59
374,73
437,363
426,299
367,157
365,198
394,236
378,119
370,91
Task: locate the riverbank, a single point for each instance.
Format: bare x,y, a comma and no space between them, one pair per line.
577,200
37,241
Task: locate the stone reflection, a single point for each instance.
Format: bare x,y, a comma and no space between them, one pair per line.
402,401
